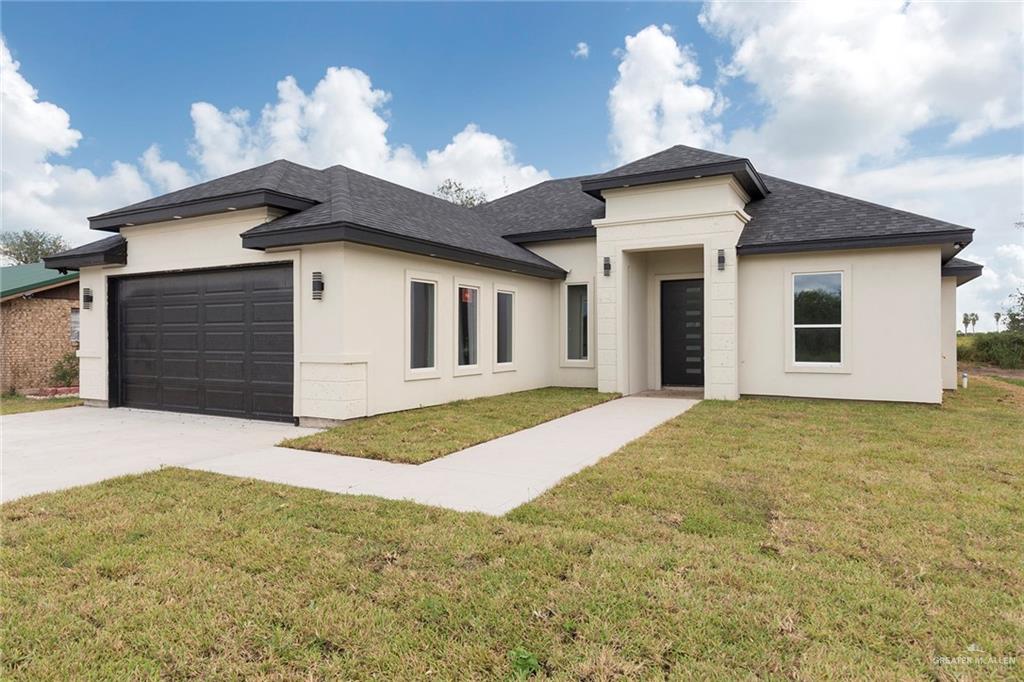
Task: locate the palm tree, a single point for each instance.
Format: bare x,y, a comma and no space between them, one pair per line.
967,322
974,322
998,315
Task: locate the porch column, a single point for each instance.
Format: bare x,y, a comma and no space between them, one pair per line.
721,353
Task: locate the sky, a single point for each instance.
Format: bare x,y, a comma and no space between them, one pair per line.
914,105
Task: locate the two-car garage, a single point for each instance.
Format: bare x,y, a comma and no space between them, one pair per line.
216,342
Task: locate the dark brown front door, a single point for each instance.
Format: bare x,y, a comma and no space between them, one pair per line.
208,341
682,332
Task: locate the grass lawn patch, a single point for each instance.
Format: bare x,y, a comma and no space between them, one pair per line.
417,436
758,539
1011,380
14,404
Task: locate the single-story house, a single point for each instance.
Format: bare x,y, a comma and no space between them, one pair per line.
38,324
285,292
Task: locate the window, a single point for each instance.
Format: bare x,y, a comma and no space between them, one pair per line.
421,327
74,325
468,307
818,318
506,304
576,321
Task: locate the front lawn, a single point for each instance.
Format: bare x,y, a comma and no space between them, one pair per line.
765,538
14,404
417,436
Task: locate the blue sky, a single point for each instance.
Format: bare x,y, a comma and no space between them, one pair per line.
505,67
909,104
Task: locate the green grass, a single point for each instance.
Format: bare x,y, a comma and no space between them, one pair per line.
15,404
752,539
1011,380
417,436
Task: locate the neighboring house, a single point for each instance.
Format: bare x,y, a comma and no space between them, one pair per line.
38,324
286,292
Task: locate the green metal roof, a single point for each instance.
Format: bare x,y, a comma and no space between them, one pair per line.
22,279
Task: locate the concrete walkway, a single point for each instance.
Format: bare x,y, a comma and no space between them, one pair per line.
45,451
492,477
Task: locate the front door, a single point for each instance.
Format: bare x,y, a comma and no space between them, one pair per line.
682,332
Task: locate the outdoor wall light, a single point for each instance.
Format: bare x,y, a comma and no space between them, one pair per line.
318,286
87,298
721,259
607,266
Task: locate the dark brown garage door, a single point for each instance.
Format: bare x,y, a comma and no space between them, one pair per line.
208,341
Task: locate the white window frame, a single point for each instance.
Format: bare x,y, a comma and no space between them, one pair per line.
841,367
563,340
76,330
506,366
468,370
418,373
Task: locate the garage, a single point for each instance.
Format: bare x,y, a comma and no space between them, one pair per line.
216,342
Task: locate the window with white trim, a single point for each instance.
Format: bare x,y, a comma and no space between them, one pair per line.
576,322
818,318
421,324
75,325
468,307
504,326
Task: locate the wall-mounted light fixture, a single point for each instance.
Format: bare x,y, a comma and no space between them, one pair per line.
87,298
607,266
721,259
318,286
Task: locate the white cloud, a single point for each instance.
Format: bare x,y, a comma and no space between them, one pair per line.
581,51
342,120
166,175
38,193
844,83
656,101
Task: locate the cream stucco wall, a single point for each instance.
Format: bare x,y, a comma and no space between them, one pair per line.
892,321
374,316
578,257
948,333
705,215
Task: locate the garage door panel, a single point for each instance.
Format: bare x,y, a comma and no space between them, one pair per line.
211,341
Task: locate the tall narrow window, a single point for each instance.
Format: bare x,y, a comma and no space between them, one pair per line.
818,318
468,305
576,321
506,301
75,325
421,327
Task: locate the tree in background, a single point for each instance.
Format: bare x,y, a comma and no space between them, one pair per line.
974,322
1014,315
998,315
967,322
455,192
30,246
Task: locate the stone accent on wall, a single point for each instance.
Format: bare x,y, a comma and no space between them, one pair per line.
35,333
334,390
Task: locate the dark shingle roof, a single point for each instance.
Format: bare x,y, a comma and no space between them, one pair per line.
679,156
109,251
24,279
961,268
277,176
795,213
364,200
549,206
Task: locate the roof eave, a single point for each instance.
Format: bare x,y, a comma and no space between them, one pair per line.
116,254
741,169
359,234
552,235
113,221
957,239
963,273
28,290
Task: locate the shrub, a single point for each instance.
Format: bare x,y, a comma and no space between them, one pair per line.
65,371
1002,349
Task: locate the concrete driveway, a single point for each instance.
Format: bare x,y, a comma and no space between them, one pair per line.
56,449
45,451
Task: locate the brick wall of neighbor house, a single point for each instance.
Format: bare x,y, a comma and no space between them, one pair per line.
35,333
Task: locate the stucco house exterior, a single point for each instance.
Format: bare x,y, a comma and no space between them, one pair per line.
39,319
285,292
